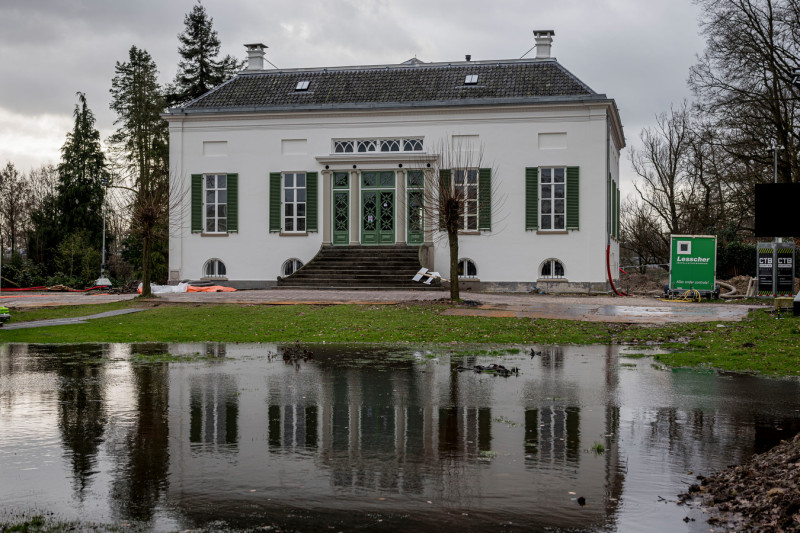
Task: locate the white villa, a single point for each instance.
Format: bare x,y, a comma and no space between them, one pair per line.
280,165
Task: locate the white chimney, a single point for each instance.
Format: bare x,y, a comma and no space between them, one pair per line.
544,40
255,56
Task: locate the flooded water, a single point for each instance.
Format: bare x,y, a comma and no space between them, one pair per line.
220,436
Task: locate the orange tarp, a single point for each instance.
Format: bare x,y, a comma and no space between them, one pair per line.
212,288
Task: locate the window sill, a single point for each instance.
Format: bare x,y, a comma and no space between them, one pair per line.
551,232
468,279
552,280
293,234
215,278
214,234
470,232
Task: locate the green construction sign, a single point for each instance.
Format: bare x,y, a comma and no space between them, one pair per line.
693,263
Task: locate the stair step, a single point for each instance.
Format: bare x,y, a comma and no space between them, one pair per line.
359,268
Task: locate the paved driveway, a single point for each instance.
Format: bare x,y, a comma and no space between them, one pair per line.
588,308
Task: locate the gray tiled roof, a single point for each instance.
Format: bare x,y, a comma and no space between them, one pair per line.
420,84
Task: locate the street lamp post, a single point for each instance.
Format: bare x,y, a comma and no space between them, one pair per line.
103,280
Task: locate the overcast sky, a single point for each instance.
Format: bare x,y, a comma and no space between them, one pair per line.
635,51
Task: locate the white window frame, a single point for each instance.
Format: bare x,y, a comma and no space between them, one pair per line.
292,205
469,218
551,217
463,267
216,274
373,145
551,262
213,222
294,262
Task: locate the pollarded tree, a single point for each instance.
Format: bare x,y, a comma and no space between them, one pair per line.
81,172
457,192
199,69
141,146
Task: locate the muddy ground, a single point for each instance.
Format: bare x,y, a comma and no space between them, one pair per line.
762,495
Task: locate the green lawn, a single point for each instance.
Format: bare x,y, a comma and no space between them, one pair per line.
761,343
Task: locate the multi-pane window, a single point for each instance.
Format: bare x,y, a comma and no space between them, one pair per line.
467,268
465,182
216,204
552,199
214,268
347,146
552,268
294,201
290,266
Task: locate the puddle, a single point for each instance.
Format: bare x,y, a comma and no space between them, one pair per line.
185,436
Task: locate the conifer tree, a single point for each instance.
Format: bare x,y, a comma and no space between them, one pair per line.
81,172
199,70
141,146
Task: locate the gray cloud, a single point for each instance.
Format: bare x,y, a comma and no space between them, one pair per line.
636,52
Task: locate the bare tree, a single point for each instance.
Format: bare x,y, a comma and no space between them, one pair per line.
15,204
743,79
459,195
661,164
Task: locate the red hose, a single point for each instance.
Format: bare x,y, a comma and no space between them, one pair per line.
608,268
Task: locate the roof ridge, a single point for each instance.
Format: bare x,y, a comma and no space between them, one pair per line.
400,66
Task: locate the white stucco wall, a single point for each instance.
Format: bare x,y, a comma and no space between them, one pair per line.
253,146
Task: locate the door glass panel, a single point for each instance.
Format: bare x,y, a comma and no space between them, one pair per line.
370,214
340,215
387,211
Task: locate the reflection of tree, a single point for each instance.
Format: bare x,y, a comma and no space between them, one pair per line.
82,415
143,478
214,411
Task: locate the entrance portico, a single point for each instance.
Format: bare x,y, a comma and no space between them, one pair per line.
367,203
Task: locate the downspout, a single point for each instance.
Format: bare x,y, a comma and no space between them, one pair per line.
609,207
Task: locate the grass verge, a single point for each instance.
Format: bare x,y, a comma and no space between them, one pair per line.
760,343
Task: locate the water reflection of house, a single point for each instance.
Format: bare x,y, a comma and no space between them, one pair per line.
320,430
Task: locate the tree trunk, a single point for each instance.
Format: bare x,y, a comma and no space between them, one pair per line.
146,253
452,238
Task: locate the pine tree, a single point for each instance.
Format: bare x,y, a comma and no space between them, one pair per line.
81,172
141,143
199,71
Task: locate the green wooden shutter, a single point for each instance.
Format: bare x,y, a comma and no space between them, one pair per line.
445,184
573,198
532,198
485,199
274,202
613,209
609,206
618,213
233,203
311,201
197,203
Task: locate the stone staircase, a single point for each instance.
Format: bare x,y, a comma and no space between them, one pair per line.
359,267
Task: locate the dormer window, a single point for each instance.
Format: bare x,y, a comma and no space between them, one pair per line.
471,79
302,85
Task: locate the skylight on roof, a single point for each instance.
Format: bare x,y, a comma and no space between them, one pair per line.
471,79
302,86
